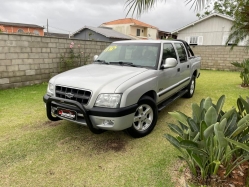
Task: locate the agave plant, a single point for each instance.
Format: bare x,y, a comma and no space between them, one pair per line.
244,74
203,139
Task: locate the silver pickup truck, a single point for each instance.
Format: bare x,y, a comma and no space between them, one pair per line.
125,86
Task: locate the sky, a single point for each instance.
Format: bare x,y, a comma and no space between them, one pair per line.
67,16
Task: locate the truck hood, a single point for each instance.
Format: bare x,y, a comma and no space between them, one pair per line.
97,77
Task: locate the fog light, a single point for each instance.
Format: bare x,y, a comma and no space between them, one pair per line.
108,122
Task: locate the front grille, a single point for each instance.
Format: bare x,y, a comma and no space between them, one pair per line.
82,96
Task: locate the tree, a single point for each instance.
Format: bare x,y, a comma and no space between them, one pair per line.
225,7
240,28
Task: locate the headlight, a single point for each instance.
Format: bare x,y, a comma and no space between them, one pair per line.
50,88
108,100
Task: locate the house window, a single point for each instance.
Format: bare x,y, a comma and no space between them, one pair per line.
138,32
20,31
230,42
36,32
193,40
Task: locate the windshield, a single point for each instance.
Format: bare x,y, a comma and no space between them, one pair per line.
138,54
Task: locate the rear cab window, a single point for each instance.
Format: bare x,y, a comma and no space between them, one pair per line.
181,52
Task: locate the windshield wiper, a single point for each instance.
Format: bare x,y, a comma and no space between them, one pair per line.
102,61
124,63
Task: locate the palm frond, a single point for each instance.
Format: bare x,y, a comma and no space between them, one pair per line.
197,4
139,6
142,6
240,28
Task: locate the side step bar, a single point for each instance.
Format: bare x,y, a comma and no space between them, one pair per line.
171,99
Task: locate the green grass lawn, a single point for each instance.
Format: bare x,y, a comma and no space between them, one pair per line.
37,152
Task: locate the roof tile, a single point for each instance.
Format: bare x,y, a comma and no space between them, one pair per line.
128,21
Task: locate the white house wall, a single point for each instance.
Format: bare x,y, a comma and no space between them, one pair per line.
212,31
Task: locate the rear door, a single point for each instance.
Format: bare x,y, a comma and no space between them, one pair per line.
183,67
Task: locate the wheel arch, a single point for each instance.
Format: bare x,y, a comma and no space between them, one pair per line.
152,94
195,73
136,91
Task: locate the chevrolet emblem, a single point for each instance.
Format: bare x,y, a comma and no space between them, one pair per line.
69,95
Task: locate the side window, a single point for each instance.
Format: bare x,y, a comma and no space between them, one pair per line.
36,32
168,51
181,52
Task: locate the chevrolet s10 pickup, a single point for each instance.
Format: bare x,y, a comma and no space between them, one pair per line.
125,86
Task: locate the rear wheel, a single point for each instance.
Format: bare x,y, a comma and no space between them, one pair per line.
191,88
145,118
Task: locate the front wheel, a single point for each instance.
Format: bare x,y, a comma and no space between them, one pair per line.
191,88
145,118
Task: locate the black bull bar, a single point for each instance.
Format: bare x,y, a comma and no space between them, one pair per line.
48,100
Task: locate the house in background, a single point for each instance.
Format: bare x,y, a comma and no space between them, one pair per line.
99,34
56,35
133,28
21,28
210,30
166,35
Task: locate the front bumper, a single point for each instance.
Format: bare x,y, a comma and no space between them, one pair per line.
97,117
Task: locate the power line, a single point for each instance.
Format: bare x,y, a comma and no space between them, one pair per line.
58,28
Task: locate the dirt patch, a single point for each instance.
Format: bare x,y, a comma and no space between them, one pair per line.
243,86
177,175
41,125
237,177
99,144
113,144
51,123
50,172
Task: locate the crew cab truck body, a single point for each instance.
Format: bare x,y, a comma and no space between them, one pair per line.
125,87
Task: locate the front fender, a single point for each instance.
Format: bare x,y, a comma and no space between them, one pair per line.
135,92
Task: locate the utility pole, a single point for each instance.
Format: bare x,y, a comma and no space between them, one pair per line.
47,26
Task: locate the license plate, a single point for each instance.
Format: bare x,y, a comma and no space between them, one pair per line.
66,113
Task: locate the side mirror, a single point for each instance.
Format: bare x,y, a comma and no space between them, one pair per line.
95,57
169,63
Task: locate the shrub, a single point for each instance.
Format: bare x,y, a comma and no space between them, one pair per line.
244,74
243,106
210,138
73,58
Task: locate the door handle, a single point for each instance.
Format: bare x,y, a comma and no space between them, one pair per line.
178,69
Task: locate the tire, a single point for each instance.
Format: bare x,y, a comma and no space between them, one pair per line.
145,118
191,88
